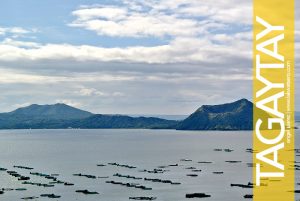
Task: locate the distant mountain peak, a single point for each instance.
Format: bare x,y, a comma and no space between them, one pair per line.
226,106
236,115
55,111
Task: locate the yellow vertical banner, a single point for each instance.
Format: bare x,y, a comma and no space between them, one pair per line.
273,95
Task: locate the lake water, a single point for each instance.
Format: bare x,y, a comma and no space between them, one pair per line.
67,152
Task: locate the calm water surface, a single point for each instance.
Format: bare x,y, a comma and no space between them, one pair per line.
66,152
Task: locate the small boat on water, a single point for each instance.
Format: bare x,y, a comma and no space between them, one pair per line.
218,172
192,175
68,184
30,198
248,196
217,149
87,192
142,198
197,195
20,189
50,195
204,162
228,150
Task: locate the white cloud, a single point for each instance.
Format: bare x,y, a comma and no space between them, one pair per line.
10,76
185,50
109,12
229,11
197,44
190,24
94,92
206,48
90,92
162,18
16,32
2,31
137,24
17,76
16,43
69,102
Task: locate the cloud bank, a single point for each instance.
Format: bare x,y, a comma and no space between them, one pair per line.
204,57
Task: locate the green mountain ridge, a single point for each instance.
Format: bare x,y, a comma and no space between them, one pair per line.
56,111
230,116
122,121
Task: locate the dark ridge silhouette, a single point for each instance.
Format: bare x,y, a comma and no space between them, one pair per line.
230,116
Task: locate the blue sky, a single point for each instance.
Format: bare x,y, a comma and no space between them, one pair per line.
51,17
125,56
